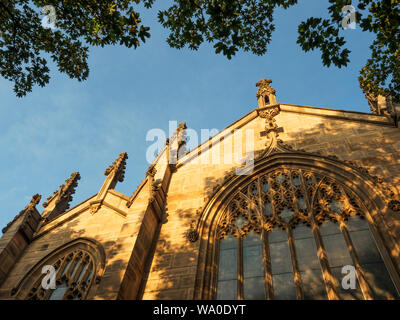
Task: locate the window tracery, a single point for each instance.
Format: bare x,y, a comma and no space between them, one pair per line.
74,275
303,227
78,266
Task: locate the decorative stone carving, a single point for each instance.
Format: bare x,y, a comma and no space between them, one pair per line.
153,186
58,203
277,145
115,173
77,274
269,115
34,202
153,191
118,166
381,104
394,205
151,171
393,199
65,191
192,235
265,88
31,207
271,132
266,95
180,130
286,197
181,136
95,206
373,102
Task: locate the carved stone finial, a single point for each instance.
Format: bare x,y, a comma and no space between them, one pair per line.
266,95
34,202
153,189
118,166
151,171
182,126
264,87
381,104
59,202
29,208
181,139
65,191
181,133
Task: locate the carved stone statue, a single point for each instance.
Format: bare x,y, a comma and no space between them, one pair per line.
266,95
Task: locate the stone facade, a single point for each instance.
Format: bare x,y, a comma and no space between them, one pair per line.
155,244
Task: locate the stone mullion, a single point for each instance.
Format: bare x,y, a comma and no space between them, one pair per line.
46,293
295,200
86,273
296,272
304,190
323,258
365,288
269,290
215,275
266,257
260,206
240,291
90,274
74,261
322,255
91,279
35,292
81,264
62,266
324,263
73,281
295,266
43,294
78,282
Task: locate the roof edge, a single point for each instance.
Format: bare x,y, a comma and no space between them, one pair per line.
286,107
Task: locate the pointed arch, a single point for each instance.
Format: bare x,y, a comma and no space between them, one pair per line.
79,265
371,197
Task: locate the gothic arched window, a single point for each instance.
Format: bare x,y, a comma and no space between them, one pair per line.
76,267
294,234
74,275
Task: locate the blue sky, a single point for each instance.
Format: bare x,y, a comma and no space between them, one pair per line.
83,126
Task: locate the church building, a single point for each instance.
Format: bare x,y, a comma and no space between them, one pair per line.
307,207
